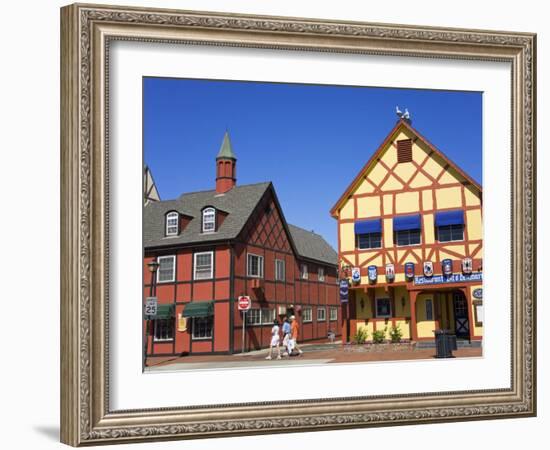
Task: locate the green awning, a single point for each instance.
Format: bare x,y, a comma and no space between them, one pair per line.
163,312
199,309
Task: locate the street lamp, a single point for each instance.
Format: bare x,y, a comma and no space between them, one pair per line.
153,267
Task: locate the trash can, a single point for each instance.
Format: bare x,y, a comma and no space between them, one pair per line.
331,336
445,343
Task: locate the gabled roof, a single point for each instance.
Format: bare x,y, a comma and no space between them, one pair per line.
400,125
239,203
312,246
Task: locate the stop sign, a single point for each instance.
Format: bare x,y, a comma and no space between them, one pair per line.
244,303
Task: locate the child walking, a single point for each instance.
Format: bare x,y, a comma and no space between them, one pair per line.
274,340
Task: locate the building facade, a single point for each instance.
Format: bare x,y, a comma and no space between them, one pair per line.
410,243
214,246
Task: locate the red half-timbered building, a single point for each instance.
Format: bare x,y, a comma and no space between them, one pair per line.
214,246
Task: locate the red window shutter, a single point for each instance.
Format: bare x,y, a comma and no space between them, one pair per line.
404,151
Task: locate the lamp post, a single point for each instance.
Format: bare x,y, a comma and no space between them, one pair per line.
153,267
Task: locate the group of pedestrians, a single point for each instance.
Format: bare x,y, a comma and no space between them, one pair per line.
289,330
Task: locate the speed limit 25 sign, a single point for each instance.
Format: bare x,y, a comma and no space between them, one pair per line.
151,306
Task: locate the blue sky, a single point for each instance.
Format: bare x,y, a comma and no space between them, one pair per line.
309,140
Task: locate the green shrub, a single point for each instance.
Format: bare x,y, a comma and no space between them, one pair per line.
378,336
396,334
361,335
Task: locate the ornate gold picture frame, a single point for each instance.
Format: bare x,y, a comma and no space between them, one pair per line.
87,31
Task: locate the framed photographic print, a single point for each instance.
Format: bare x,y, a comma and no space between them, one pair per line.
276,224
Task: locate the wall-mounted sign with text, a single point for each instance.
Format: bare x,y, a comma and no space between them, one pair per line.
454,278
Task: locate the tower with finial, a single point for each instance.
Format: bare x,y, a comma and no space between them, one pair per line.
226,166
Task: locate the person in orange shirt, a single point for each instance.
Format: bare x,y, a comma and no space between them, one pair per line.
294,331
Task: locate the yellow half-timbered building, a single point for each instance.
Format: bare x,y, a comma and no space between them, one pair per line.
410,241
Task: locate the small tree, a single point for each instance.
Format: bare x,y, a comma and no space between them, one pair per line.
378,336
396,334
361,335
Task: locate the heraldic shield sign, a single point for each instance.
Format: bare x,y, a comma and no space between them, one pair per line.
467,266
447,266
390,272
356,275
373,273
428,268
409,270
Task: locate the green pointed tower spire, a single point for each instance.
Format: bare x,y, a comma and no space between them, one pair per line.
226,167
226,151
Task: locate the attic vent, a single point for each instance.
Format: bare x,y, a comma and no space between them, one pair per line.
404,151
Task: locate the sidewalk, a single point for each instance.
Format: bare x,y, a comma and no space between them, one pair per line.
313,354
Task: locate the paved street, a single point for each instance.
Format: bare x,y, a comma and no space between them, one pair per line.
314,354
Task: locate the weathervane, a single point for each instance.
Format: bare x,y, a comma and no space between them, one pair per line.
403,115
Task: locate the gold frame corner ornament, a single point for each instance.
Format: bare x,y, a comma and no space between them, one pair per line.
86,31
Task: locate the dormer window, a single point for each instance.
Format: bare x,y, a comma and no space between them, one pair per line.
209,220
172,225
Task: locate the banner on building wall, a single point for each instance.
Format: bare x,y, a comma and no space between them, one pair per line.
453,278
344,291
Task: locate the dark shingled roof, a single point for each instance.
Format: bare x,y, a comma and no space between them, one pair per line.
238,203
312,246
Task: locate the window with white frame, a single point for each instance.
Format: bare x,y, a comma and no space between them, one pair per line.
164,330
383,307
321,313
321,273
209,220
268,316
280,270
167,269
172,219
204,265
303,272
333,313
307,314
254,317
202,327
255,266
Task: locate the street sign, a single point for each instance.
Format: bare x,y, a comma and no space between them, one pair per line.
244,303
151,306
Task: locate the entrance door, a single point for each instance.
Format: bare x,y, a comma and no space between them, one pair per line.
462,328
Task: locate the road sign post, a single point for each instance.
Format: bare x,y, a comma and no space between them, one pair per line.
150,310
243,304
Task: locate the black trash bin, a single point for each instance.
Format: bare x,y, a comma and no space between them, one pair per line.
445,343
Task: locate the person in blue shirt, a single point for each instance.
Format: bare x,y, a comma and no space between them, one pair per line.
286,337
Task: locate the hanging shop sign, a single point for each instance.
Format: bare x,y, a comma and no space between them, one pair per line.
356,275
478,293
467,265
447,266
409,271
453,278
182,323
373,273
390,272
344,290
428,268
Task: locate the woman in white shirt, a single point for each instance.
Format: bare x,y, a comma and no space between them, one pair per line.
274,340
